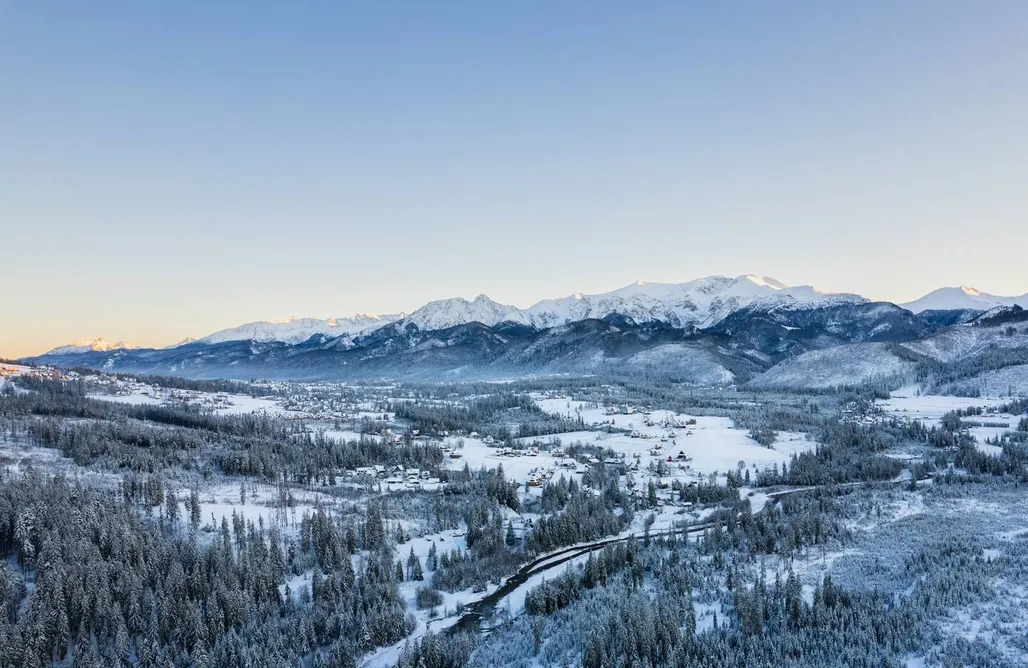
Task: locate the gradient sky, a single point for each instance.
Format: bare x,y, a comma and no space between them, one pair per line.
169,169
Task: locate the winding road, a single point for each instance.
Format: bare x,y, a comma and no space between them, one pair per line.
478,611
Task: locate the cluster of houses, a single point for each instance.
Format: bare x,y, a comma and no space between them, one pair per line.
8,371
539,477
514,452
670,423
324,401
396,477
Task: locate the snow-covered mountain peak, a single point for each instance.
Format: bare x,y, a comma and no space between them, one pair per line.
763,281
91,344
296,330
446,313
699,303
962,298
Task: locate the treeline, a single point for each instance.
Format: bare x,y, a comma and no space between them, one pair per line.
936,375
195,385
312,458
795,523
774,626
67,399
846,452
147,438
599,567
647,613
585,516
571,514
504,416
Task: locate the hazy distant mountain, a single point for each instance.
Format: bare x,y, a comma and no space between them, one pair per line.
961,299
93,344
296,330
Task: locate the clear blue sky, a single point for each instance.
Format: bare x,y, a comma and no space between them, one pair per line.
168,169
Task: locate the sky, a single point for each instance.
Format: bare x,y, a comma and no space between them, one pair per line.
170,169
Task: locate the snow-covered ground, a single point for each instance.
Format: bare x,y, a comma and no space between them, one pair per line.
241,404
18,456
133,398
261,504
130,392
929,409
14,370
342,434
691,447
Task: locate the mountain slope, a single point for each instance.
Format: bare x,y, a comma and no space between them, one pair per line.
697,303
777,332
776,346
471,350
836,367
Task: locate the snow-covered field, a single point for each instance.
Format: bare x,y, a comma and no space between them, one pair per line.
929,409
261,504
133,398
712,443
691,448
12,371
220,403
240,404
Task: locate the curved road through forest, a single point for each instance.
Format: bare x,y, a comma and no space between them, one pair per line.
476,612
480,610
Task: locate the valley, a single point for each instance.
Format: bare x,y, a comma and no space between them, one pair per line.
472,513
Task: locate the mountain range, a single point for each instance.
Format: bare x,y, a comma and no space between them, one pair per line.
715,330
698,303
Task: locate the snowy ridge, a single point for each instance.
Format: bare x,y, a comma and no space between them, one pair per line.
962,298
446,313
92,344
298,330
698,303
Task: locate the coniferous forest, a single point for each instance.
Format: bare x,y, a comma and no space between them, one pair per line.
152,522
